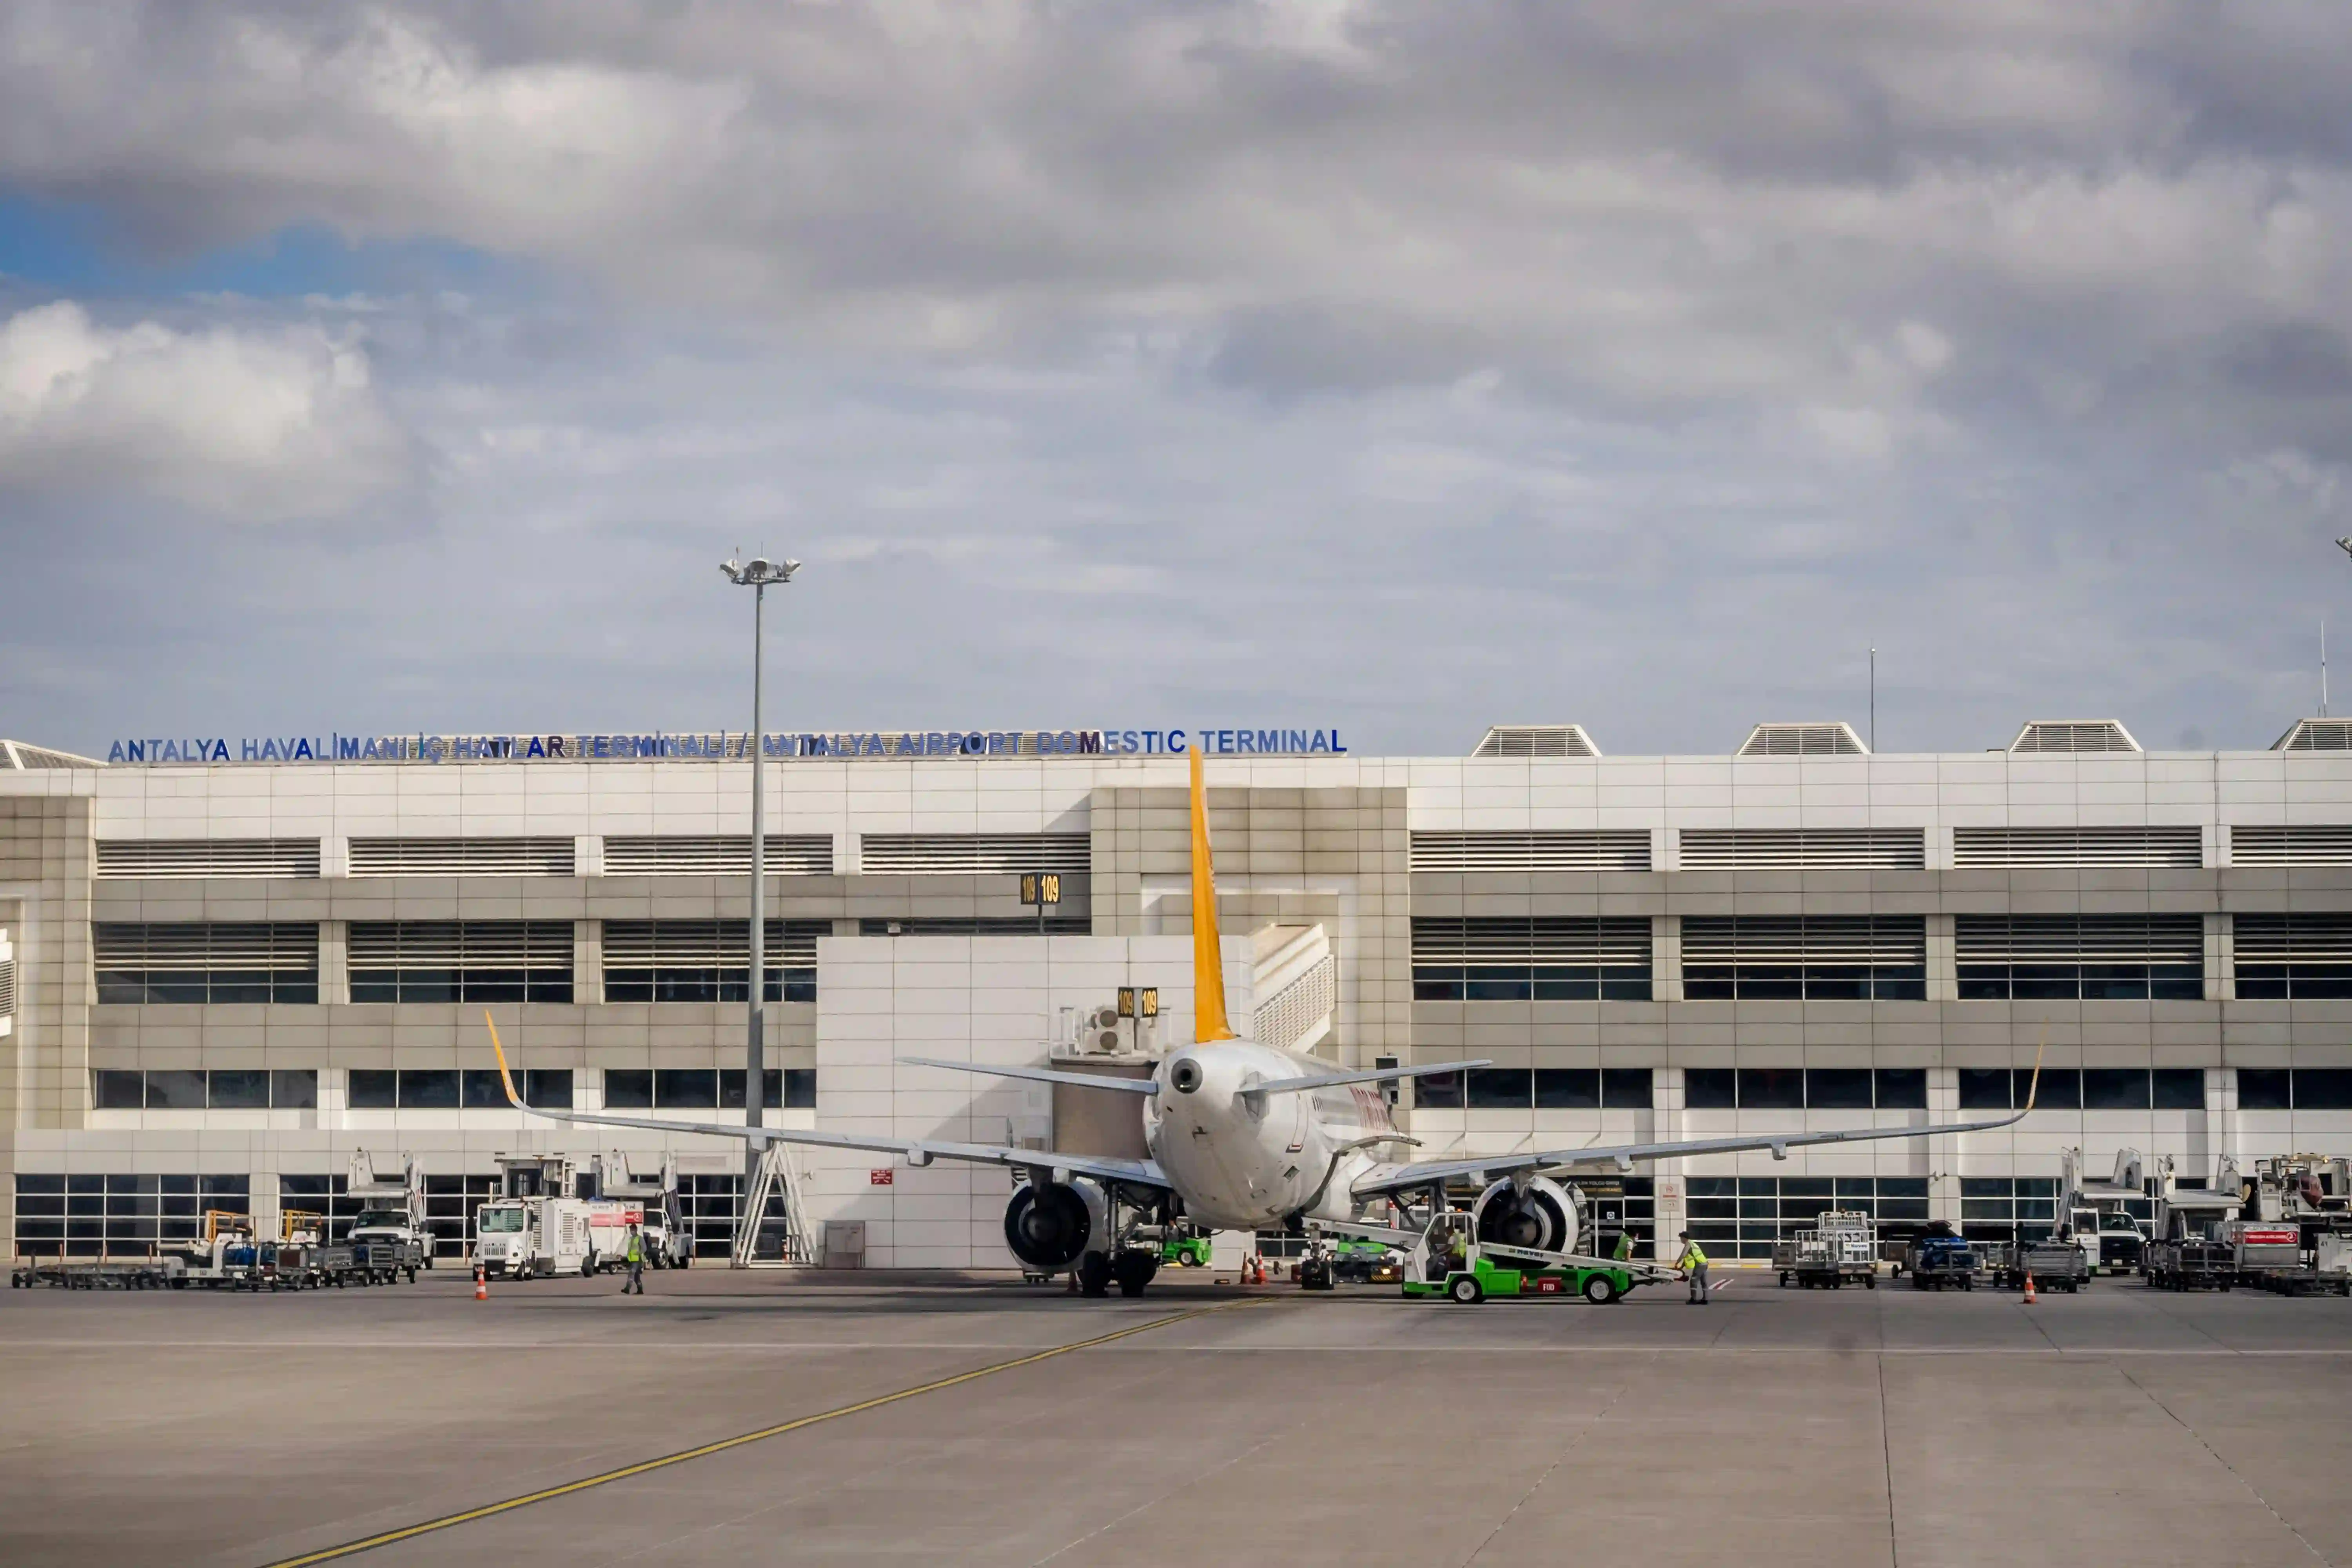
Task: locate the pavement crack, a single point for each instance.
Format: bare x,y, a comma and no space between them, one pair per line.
1550,1471
2252,1491
1886,1457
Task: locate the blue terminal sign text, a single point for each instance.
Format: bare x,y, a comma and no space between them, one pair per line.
724,746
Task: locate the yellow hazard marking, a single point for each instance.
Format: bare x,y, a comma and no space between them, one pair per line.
547,1494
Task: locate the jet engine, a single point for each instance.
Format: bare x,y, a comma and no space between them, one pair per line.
1052,1227
1544,1216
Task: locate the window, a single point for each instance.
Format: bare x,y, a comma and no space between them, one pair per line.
2001,1208
628,1089
1901,1088
111,1091
91,1215
461,961
707,961
451,1204
1772,1088
198,961
2305,957
374,1088
800,1089
1567,1089
1625,1088
428,1088
294,1089
1820,958
1838,1088
480,1089
175,1092
2178,1089
1501,1088
2114,1089
2080,957
1438,1092
1511,959
785,1089
243,1089
547,1089
686,1089
1742,1217
1710,1089
2299,1088
1983,1089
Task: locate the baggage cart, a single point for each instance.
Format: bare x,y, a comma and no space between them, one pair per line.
1842,1246
2055,1263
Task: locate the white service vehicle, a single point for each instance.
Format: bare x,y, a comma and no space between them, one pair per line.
1242,1136
388,1235
520,1238
654,1205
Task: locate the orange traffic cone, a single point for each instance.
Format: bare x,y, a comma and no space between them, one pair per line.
2029,1290
481,1284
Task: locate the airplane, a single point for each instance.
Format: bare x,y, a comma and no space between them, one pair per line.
1244,1136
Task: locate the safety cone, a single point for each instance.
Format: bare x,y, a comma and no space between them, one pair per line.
2029,1290
481,1284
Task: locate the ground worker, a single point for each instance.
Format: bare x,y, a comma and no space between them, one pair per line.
1625,1251
1694,1262
636,1256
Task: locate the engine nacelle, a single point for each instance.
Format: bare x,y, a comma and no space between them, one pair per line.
1544,1217
1052,1227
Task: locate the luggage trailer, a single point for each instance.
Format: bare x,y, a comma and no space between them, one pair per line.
1446,1258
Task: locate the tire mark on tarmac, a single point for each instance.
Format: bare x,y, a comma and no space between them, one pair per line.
645,1467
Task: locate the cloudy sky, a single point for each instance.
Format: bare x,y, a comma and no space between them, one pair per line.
1405,368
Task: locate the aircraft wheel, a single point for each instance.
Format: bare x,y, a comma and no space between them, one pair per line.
1134,1272
1093,1275
1466,1290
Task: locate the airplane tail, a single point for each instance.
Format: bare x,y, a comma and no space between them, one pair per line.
1208,960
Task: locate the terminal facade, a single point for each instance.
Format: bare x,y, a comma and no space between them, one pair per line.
218,977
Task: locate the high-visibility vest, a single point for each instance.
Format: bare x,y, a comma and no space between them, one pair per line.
636,1248
1624,1245
1692,1256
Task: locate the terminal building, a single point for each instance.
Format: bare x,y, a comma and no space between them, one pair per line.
226,965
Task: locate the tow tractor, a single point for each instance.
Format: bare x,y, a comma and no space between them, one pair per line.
1446,1258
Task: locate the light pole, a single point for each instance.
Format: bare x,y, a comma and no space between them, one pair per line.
756,574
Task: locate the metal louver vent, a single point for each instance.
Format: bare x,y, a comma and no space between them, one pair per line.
8,977
16,755
2182,847
788,855
199,947
1542,849
459,945
2066,735
2317,735
1791,849
1536,740
2092,940
1836,740
160,859
974,854
1293,1019
1800,940
713,945
461,857
2301,845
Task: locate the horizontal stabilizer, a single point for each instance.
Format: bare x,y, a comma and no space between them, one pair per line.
1043,1074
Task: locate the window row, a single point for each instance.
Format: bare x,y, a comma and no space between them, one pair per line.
1742,1217
2295,1088
199,961
220,1088
1798,1088
456,1089
706,1088
708,961
1512,959
119,1215
1810,958
1538,1089
2084,1088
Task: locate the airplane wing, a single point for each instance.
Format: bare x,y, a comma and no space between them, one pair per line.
915,1150
1371,1075
1043,1074
1385,1179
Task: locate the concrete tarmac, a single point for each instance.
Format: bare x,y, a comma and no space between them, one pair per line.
1865,1427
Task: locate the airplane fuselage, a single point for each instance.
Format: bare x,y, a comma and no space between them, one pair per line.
1245,1162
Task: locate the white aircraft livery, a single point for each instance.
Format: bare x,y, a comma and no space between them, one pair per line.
1242,1136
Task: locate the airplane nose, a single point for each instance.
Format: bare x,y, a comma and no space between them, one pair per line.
1185,1074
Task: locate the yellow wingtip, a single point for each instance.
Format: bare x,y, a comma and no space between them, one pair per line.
2034,1085
505,1077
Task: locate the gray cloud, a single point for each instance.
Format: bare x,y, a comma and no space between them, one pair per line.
1627,362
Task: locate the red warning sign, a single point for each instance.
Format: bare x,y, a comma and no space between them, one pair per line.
882,1176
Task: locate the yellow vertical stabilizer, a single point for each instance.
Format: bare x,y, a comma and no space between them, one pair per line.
1208,960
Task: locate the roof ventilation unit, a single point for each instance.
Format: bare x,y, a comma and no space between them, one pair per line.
1536,740
2062,735
2317,735
1836,740
16,756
